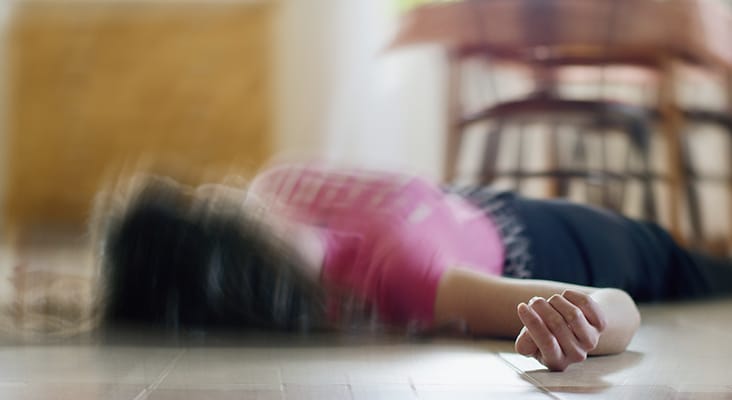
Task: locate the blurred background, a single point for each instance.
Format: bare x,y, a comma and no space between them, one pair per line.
621,103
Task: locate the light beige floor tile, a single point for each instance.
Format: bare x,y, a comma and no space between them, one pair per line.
625,392
704,395
315,373
215,394
696,388
69,391
196,369
467,367
317,392
92,364
595,372
677,346
378,373
383,392
453,392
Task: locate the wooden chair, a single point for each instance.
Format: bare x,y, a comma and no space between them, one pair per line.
699,237
588,118
549,35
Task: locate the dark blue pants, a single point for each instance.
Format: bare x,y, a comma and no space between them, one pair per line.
588,246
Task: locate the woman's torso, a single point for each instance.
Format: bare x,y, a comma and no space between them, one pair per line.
388,238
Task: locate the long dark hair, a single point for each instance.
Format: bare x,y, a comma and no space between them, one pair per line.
169,260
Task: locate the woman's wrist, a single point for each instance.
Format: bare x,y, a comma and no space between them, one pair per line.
623,320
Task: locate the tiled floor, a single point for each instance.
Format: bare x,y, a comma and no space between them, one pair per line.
682,351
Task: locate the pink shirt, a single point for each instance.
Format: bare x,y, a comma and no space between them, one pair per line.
387,237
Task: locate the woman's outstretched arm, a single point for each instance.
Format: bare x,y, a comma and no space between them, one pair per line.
557,323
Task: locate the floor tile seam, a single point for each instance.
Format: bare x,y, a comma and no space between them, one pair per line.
413,386
348,386
161,377
529,378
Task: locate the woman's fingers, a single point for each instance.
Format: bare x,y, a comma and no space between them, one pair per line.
560,331
589,307
572,350
587,336
550,352
525,345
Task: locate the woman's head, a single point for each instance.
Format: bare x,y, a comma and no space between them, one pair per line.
172,257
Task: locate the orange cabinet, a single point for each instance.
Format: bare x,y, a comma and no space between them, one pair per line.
96,86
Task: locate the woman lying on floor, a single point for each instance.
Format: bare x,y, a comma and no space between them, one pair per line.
310,247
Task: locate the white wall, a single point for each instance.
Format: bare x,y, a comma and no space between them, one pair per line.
304,60
340,96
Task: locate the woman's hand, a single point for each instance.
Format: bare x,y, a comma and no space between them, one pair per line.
560,331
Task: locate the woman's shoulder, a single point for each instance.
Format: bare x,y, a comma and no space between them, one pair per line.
277,178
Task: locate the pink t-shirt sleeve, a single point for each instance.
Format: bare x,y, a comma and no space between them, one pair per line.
401,277
409,279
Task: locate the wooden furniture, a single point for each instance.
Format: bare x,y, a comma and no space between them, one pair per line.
555,33
97,86
588,120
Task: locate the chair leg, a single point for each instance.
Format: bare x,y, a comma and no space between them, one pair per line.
672,120
578,161
641,139
692,195
579,152
567,162
518,178
606,185
490,154
650,208
454,129
629,169
584,165
555,184
594,184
